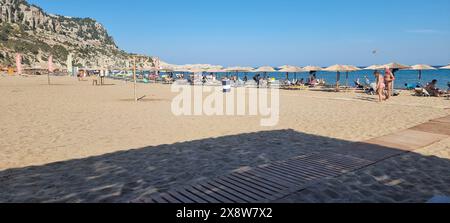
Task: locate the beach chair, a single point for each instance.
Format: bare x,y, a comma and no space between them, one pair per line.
297,87
182,82
421,92
239,83
251,84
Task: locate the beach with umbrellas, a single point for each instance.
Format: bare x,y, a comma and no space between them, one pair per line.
94,136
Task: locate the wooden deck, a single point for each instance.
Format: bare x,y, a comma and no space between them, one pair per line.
276,180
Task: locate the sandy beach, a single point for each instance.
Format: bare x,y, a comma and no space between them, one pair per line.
96,144
41,124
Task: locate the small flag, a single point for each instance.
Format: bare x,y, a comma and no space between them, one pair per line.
50,64
19,63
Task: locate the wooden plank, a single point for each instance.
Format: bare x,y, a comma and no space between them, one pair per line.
441,128
219,189
260,195
260,186
304,167
213,194
445,119
239,197
345,161
333,159
296,179
322,165
295,175
264,182
239,188
169,199
180,197
157,198
191,196
408,140
201,194
274,176
302,172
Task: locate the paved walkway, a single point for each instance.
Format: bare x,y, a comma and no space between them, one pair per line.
275,181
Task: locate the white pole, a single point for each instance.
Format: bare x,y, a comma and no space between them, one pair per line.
134,77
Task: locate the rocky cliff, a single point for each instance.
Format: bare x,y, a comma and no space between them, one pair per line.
28,30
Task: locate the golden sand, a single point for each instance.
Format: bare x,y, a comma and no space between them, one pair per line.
42,124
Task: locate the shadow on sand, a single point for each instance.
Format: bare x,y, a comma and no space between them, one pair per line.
127,175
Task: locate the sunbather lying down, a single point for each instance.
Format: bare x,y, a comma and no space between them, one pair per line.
433,90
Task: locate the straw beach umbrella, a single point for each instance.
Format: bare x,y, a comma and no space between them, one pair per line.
196,70
445,68
312,68
239,69
285,66
395,66
338,69
350,68
290,69
214,70
374,67
264,70
421,67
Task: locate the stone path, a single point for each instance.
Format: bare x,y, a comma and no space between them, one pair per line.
275,181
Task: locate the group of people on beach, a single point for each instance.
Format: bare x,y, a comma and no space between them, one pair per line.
93,75
433,90
385,88
384,84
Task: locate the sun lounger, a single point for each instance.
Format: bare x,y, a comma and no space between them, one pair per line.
421,92
295,87
213,83
251,84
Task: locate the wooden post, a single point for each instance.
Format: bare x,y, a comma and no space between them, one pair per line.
50,68
134,78
338,78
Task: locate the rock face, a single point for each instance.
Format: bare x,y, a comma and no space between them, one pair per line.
28,30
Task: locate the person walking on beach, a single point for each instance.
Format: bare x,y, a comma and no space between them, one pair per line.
102,76
257,78
380,86
389,78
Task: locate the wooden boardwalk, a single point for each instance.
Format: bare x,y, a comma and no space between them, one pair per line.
276,180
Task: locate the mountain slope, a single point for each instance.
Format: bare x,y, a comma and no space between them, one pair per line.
28,30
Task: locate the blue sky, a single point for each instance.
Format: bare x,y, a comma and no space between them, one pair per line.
262,32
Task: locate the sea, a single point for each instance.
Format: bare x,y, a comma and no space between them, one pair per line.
403,77
410,77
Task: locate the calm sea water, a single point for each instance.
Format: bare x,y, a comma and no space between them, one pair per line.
402,77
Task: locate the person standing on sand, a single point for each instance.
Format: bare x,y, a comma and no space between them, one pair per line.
257,78
389,78
380,86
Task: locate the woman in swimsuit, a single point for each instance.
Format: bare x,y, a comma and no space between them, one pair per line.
380,86
389,78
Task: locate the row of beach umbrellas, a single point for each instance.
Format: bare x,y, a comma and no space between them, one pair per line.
294,69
